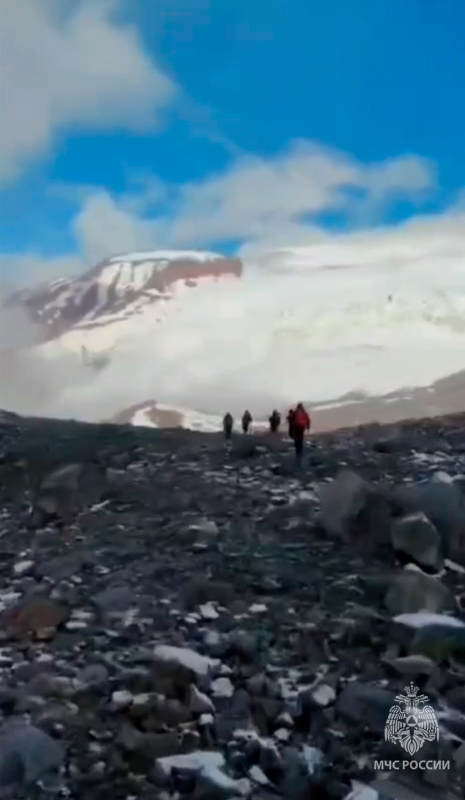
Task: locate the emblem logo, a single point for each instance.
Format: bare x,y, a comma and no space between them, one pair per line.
411,723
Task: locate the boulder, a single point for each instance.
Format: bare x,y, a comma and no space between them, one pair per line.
444,505
416,537
27,755
37,616
440,643
366,704
69,489
414,591
353,508
439,637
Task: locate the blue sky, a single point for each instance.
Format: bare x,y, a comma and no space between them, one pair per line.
168,123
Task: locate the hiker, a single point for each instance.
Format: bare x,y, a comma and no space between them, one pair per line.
290,422
246,421
300,423
275,421
228,423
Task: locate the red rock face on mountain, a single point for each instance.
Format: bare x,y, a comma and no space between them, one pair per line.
119,287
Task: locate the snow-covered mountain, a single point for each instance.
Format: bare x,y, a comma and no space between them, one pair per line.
120,287
197,333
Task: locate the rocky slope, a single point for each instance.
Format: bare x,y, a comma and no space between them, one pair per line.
181,619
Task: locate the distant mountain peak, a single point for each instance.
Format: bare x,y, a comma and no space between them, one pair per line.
123,282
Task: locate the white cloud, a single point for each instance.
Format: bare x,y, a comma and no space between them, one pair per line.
254,200
259,202
76,65
17,269
105,228
256,196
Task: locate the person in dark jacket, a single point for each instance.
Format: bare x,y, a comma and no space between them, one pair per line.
290,422
275,421
228,423
301,423
246,421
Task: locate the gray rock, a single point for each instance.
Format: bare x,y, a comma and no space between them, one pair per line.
94,675
354,509
60,567
412,666
440,643
444,504
114,598
417,537
365,704
68,489
415,591
27,754
205,765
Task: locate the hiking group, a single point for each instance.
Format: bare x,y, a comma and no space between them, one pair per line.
298,421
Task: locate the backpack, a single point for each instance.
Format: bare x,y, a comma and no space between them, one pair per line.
300,419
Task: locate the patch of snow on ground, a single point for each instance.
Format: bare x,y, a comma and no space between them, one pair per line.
141,418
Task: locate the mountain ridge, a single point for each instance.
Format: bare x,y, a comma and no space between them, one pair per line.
444,397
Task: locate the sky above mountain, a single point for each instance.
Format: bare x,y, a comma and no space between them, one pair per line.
237,125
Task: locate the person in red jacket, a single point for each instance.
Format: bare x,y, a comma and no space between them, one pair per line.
300,424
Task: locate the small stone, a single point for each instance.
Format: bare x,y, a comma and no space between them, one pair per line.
208,611
323,695
282,734
94,675
199,702
193,762
187,658
222,687
258,608
121,700
205,526
257,775
22,568
313,758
